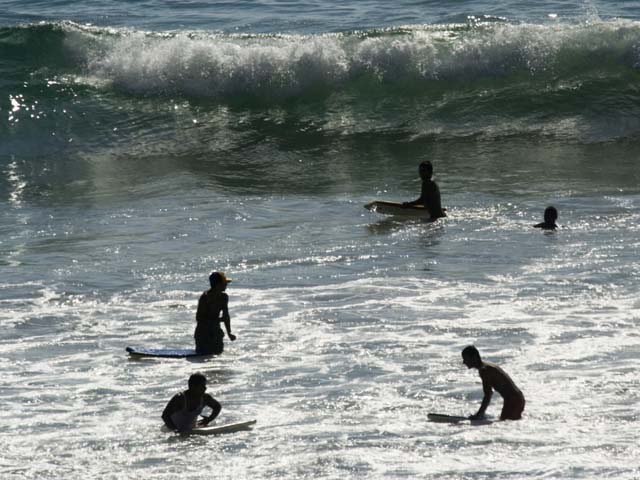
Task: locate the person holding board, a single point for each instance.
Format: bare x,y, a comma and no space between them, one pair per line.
182,411
494,378
213,309
430,193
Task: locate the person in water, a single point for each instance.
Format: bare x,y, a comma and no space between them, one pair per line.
182,411
213,309
494,378
550,217
430,193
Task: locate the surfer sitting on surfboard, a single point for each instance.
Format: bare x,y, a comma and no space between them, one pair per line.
430,193
550,217
494,378
182,411
212,303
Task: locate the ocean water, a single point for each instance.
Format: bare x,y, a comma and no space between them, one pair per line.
145,144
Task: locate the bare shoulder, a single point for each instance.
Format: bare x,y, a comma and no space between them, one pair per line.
490,369
209,400
176,402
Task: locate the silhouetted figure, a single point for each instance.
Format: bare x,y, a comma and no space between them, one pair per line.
213,309
182,411
550,217
430,193
494,378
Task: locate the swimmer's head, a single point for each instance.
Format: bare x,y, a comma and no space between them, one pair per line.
196,380
425,169
550,215
471,357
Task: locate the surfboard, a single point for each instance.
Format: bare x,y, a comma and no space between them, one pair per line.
164,353
442,418
220,429
396,208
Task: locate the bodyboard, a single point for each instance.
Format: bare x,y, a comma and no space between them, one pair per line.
220,429
164,353
442,418
396,208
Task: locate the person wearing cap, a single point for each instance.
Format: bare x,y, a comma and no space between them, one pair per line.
213,309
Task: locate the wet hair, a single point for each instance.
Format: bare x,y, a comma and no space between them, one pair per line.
550,214
197,379
471,351
426,165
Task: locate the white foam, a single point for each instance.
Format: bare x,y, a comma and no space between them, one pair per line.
214,66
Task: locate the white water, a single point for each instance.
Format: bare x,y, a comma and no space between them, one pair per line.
349,332
120,195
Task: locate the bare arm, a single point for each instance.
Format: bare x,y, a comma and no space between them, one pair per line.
173,406
215,409
417,201
227,320
201,314
429,197
488,393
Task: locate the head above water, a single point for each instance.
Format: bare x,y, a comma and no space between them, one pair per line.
426,169
471,357
218,279
197,380
550,215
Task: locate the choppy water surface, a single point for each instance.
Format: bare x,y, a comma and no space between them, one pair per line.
145,150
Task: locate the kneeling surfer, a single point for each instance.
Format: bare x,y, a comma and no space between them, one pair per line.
494,378
213,308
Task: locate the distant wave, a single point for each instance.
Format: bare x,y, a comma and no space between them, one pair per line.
413,60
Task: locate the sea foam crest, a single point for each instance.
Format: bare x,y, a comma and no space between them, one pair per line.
221,66
282,66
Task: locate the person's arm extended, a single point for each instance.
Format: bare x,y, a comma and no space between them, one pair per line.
201,314
417,201
423,199
215,409
227,320
488,392
172,407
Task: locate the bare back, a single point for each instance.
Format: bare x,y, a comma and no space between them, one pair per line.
430,198
496,378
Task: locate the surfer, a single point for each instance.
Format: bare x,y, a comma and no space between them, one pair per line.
494,378
182,411
212,304
430,193
550,217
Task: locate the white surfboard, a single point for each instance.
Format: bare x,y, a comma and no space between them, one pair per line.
396,208
220,429
442,418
